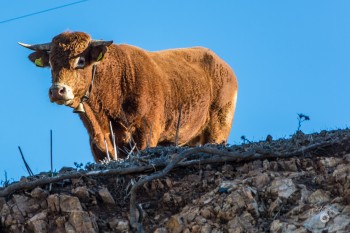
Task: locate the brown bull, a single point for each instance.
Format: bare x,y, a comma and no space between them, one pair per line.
139,95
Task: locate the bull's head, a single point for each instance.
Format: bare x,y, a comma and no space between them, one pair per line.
71,56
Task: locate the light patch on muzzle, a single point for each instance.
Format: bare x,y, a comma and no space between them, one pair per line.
61,94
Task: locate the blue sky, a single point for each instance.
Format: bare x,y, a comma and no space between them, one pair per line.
289,57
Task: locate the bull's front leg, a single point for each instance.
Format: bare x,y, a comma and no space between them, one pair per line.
100,139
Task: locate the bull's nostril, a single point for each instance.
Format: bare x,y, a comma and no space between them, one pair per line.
62,90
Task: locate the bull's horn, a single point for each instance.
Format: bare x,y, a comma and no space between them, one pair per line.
42,47
101,42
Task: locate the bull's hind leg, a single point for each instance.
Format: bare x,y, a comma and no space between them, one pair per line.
220,123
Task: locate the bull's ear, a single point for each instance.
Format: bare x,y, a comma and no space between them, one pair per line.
40,58
99,50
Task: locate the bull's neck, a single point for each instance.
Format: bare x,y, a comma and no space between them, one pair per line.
110,84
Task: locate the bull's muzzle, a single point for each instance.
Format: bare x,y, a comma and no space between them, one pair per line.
61,94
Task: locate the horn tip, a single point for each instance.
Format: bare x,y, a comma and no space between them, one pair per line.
23,44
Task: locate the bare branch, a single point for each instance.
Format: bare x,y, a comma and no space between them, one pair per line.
113,139
225,156
30,172
178,127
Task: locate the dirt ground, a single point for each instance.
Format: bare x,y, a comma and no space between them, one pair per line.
301,184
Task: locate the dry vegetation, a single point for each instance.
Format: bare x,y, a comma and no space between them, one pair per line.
301,184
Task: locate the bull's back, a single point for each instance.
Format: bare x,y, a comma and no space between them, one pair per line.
203,67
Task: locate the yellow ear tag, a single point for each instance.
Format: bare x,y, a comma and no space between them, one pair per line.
39,62
100,56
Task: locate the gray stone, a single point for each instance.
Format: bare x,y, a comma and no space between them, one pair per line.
119,225
53,203
39,193
318,197
81,192
161,230
2,202
38,223
314,223
21,202
341,223
282,187
277,226
69,228
69,203
17,214
106,196
81,222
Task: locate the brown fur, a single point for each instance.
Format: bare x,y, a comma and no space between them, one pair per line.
141,93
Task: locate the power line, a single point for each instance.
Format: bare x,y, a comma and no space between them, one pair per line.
40,12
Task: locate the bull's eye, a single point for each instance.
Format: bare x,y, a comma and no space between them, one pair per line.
80,63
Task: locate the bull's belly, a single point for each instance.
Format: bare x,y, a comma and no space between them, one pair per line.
191,126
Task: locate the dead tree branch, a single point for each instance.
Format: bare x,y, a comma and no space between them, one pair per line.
224,156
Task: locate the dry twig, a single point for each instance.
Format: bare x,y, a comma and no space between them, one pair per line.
225,156
178,127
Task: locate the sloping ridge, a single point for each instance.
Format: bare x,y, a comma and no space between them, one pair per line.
301,184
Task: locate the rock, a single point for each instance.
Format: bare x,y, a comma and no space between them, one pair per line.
206,212
190,214
2,202
330,162
119,225
69,228
77,181
260,180
318,197
346,210
38,223
60,221
288,165
161,230
175,225
275,206
227,168
206,229
193,178
282,187
5,210
123,226
316,222
347,196
17,214
195,228
69,203
341,174
241,224
53,203
81,222
39,193
106,196
81,192
341,223
347,157
228,186
169,182
17,229
277,226
167,198
21,202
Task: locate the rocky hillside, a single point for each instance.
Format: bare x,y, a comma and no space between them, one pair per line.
301,184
